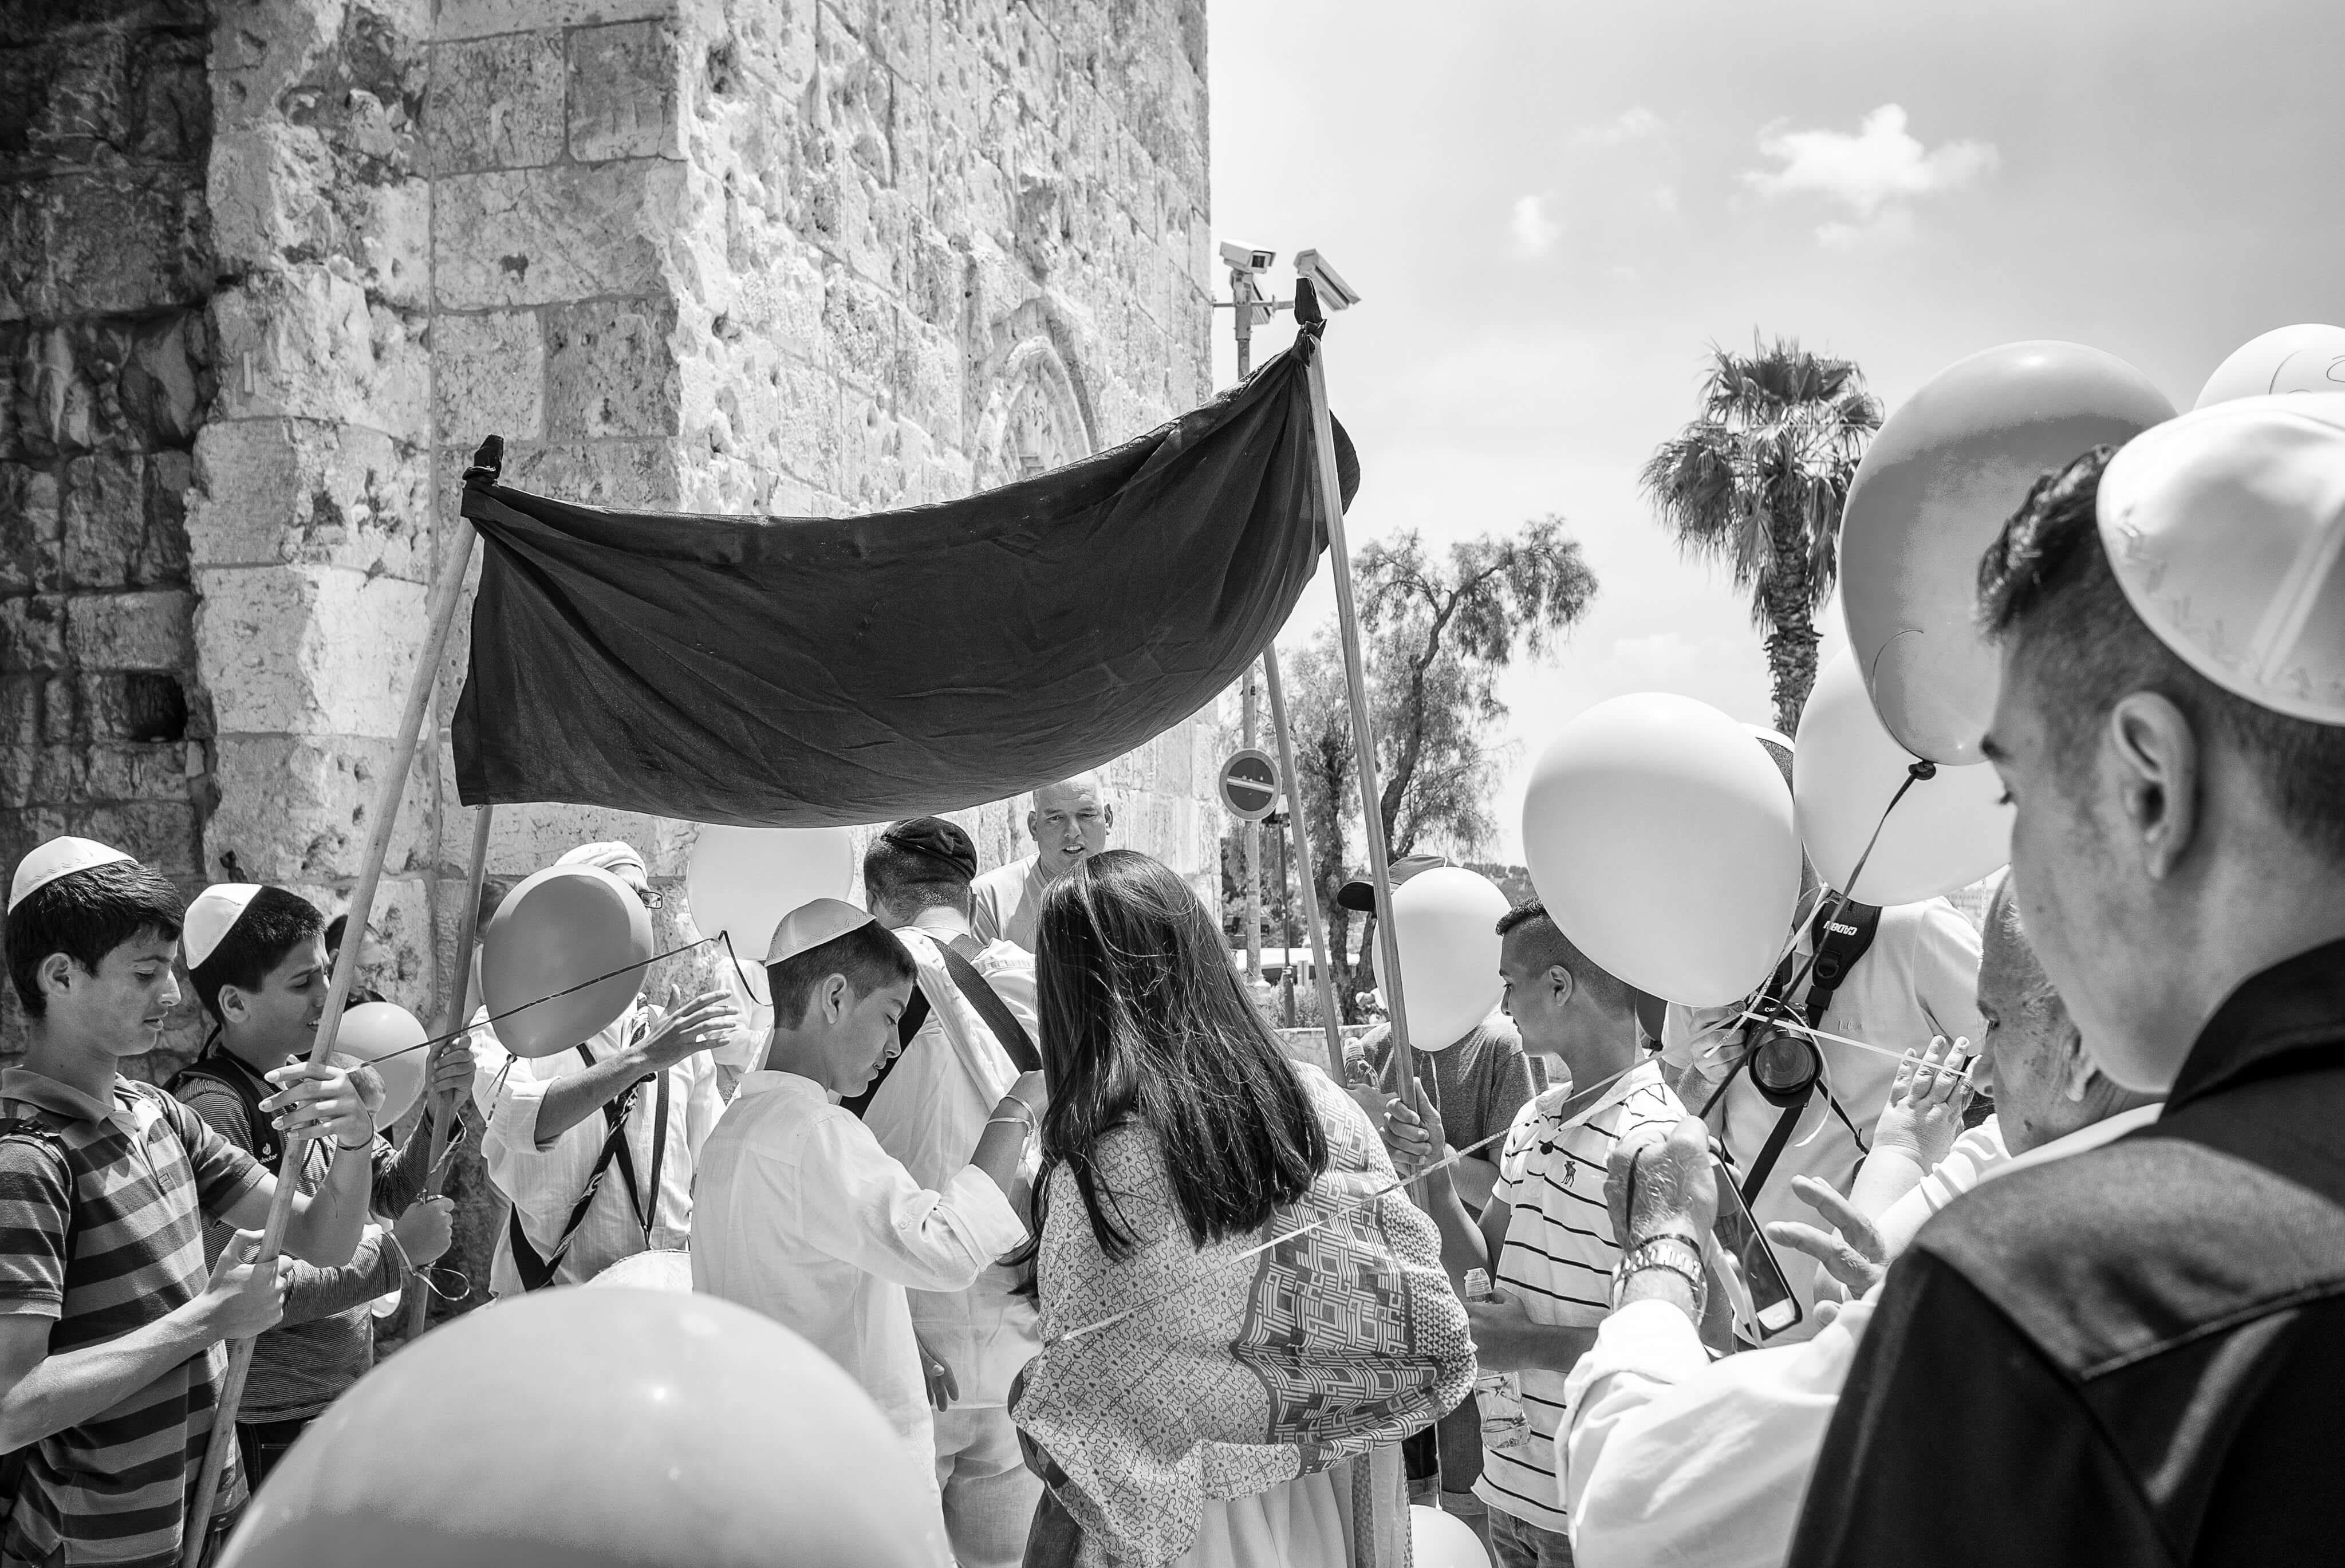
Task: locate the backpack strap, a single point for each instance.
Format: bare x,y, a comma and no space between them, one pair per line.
268,1145
994,1010
537,1270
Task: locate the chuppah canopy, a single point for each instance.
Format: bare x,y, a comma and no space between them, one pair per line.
803,672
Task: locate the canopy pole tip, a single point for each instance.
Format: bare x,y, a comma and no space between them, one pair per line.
488,462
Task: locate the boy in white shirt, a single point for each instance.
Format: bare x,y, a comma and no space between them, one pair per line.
801,1214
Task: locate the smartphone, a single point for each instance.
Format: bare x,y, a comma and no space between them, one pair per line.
1762,1298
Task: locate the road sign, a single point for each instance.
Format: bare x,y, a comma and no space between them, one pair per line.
1249,784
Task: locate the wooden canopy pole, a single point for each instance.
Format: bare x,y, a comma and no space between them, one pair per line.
447,592
1304,873
1313,343
448,1109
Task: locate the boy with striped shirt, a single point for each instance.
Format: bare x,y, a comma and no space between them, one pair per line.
112,1332
1547,1237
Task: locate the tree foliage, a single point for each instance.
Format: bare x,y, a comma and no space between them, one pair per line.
1437,629
1759,479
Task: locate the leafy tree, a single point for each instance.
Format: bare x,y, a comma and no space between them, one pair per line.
1438,631
1759,479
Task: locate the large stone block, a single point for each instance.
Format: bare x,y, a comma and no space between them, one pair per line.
304,343
299,807
107,242
137,631
497,103
124,520
279,492
624,82
306,649
31,528
541,236
610,369
32,633
118,384
489,374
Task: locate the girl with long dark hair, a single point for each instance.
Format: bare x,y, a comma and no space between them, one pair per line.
1239,1307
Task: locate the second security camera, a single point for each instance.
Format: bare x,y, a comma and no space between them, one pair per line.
1245,259
1334,292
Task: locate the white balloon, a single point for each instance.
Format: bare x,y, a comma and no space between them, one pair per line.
1947,831
1445,922
743,880
1659,837
2308,357
387,1038
653,1271
1438,1540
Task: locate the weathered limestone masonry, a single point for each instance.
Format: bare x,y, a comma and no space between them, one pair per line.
106,268
271,268
806,259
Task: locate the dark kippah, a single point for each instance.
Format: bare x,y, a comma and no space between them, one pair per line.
937,839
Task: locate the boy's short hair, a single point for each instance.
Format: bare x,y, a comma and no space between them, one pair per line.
1551,947
85,916
870,956
909,881
272,925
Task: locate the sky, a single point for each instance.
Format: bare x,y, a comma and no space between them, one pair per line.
1551,210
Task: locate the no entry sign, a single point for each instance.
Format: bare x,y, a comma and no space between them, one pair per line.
1250,785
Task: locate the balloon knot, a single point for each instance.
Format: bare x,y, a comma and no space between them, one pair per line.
1923,769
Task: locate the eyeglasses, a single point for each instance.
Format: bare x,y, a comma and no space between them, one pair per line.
653,898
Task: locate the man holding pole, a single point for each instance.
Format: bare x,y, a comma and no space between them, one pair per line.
112,1332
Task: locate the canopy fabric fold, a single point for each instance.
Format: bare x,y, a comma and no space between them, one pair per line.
806,672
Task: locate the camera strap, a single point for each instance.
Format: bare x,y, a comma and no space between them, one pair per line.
1842,933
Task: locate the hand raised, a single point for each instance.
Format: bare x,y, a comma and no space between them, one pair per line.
1927,1100
703,1024
1852,1253
1662,1183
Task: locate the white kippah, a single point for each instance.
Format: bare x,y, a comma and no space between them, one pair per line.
211,916
811,924
57,858
2226,528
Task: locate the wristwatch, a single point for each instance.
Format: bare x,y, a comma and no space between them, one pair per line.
1677,1254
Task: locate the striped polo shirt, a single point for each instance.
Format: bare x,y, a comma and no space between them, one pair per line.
101,1228
1559,1255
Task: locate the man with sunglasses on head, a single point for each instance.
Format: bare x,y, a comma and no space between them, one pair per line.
596,1146
1787,1104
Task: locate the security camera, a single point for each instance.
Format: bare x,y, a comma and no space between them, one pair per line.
1245,259
1334,294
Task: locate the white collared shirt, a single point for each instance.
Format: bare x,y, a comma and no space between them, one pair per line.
805,1217
928,1116
543,1183
1919,978
1671,1457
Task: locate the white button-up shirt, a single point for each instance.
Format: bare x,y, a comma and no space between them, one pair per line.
543,1180
1919,978
805,1217
928,1116
1671,1458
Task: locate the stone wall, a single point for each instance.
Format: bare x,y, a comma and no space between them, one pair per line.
807,260
106,269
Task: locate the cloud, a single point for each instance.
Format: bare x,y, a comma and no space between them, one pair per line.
1534,228
1631,124
1876,174
1663,199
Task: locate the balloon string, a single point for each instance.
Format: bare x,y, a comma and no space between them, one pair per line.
1813,1032
508,1013
1920,770
1399,1183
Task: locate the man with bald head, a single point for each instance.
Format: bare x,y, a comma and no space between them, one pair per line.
1069,820
1671,1457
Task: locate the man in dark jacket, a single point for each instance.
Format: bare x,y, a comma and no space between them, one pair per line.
2135,1355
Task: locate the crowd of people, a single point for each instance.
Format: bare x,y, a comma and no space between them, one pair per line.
1135,1284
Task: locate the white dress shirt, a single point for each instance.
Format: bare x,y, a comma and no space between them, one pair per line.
1006,903
805,1217
928,1116
1669,1457
543,1180
1919,978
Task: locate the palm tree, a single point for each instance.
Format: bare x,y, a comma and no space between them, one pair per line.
1759,479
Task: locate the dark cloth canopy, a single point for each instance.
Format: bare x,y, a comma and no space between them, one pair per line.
801,672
